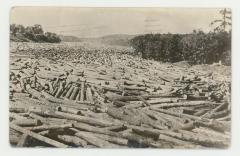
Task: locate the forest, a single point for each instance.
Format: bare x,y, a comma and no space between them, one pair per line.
33,33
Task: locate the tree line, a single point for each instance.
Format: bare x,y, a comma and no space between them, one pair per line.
197,47
33,33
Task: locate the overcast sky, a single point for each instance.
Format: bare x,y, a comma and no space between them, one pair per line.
94,22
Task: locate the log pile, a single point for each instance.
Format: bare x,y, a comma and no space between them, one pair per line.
129,103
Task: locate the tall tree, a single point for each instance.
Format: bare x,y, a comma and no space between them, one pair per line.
224,22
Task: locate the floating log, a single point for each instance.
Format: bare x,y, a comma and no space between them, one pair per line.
72,140
120,103
116,128
18,109
89,128
89,96
134,88
68,110
92,121
27,122
74,93
35,116
180,114
23,140
182,104
219,114
215,125
68,86
136,98
95,141
69,92
50,127
60,91
163,100
119,114
82,91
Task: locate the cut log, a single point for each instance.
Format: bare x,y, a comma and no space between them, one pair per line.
18,109
89,96
95,141
180,114
89,128
68,110
72,140
50,127
23,140
183,104
69,92
119,114
74,93
82,91
163,100
27,122
92,121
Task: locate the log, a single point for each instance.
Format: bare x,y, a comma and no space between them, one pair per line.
92,121
134,88
200,112
89,96
18,109
163,100
145,132
89,128
72,140
26,122
136,98
78,95
95,141
37,136
127,82
120,103
37,117
60,91
180,115
111,139
116,128
82,91
50,87
50,127
68,110
175,140
69,92
219,126
193,137
74,93
182,104
17,116
23,140
144,101
119,114
220,114
197,98
65,91
36,94
55,91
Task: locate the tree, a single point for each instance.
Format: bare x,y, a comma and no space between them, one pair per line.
224,22
13,29
37,29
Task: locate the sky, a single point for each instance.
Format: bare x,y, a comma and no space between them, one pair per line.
96,22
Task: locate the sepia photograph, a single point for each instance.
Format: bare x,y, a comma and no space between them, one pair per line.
141,77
